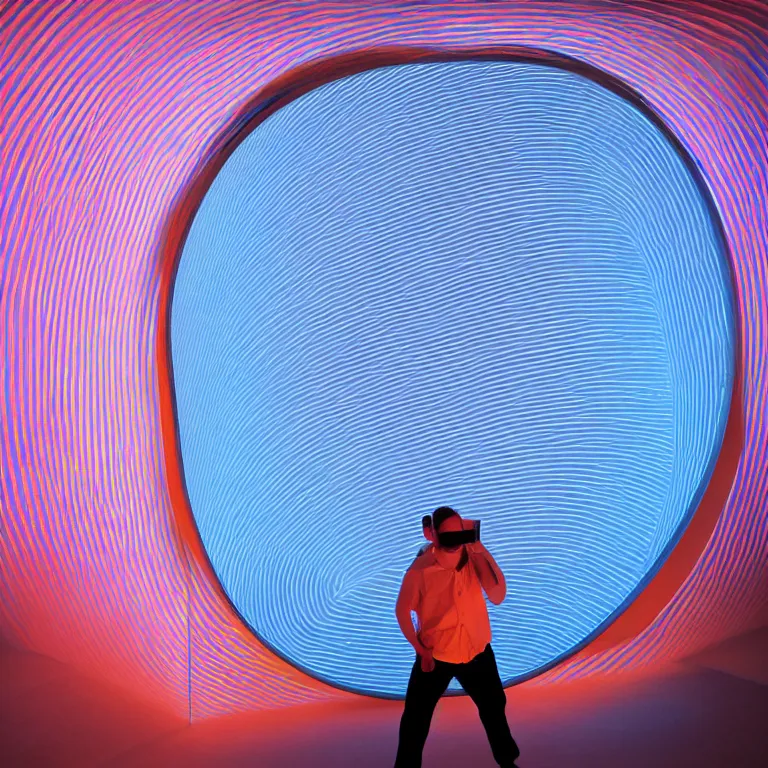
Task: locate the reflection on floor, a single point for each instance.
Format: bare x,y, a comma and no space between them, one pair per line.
711,710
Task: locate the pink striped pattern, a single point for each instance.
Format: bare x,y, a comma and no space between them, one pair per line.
108,113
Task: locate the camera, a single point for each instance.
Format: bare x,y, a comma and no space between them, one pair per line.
452,539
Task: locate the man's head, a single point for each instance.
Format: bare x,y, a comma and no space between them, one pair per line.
444,520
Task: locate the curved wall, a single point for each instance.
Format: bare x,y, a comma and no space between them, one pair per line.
112,116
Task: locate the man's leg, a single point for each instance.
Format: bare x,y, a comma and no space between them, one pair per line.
480,679
424,691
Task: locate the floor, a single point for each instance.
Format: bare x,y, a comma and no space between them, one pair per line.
711,710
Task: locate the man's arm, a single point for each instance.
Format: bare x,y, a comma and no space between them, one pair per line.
491,578
406,602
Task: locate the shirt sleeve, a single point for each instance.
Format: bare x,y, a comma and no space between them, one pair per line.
409,589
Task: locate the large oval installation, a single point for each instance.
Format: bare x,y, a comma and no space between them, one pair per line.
493,285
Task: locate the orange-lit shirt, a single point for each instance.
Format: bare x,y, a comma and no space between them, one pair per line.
450,605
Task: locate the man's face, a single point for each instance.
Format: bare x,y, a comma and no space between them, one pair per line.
452,524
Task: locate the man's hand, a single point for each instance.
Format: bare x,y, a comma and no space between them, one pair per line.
475,549
427,660
425,655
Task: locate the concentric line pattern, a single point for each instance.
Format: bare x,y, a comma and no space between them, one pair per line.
109,112
491,284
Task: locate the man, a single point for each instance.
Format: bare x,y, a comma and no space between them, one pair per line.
444,586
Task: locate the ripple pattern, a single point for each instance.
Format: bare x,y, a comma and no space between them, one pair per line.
111,115
488,284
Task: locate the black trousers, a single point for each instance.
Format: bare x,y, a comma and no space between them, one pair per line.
480,679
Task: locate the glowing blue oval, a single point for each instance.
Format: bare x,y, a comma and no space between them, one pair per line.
493,285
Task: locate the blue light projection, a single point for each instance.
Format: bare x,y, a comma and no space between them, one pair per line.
492,285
